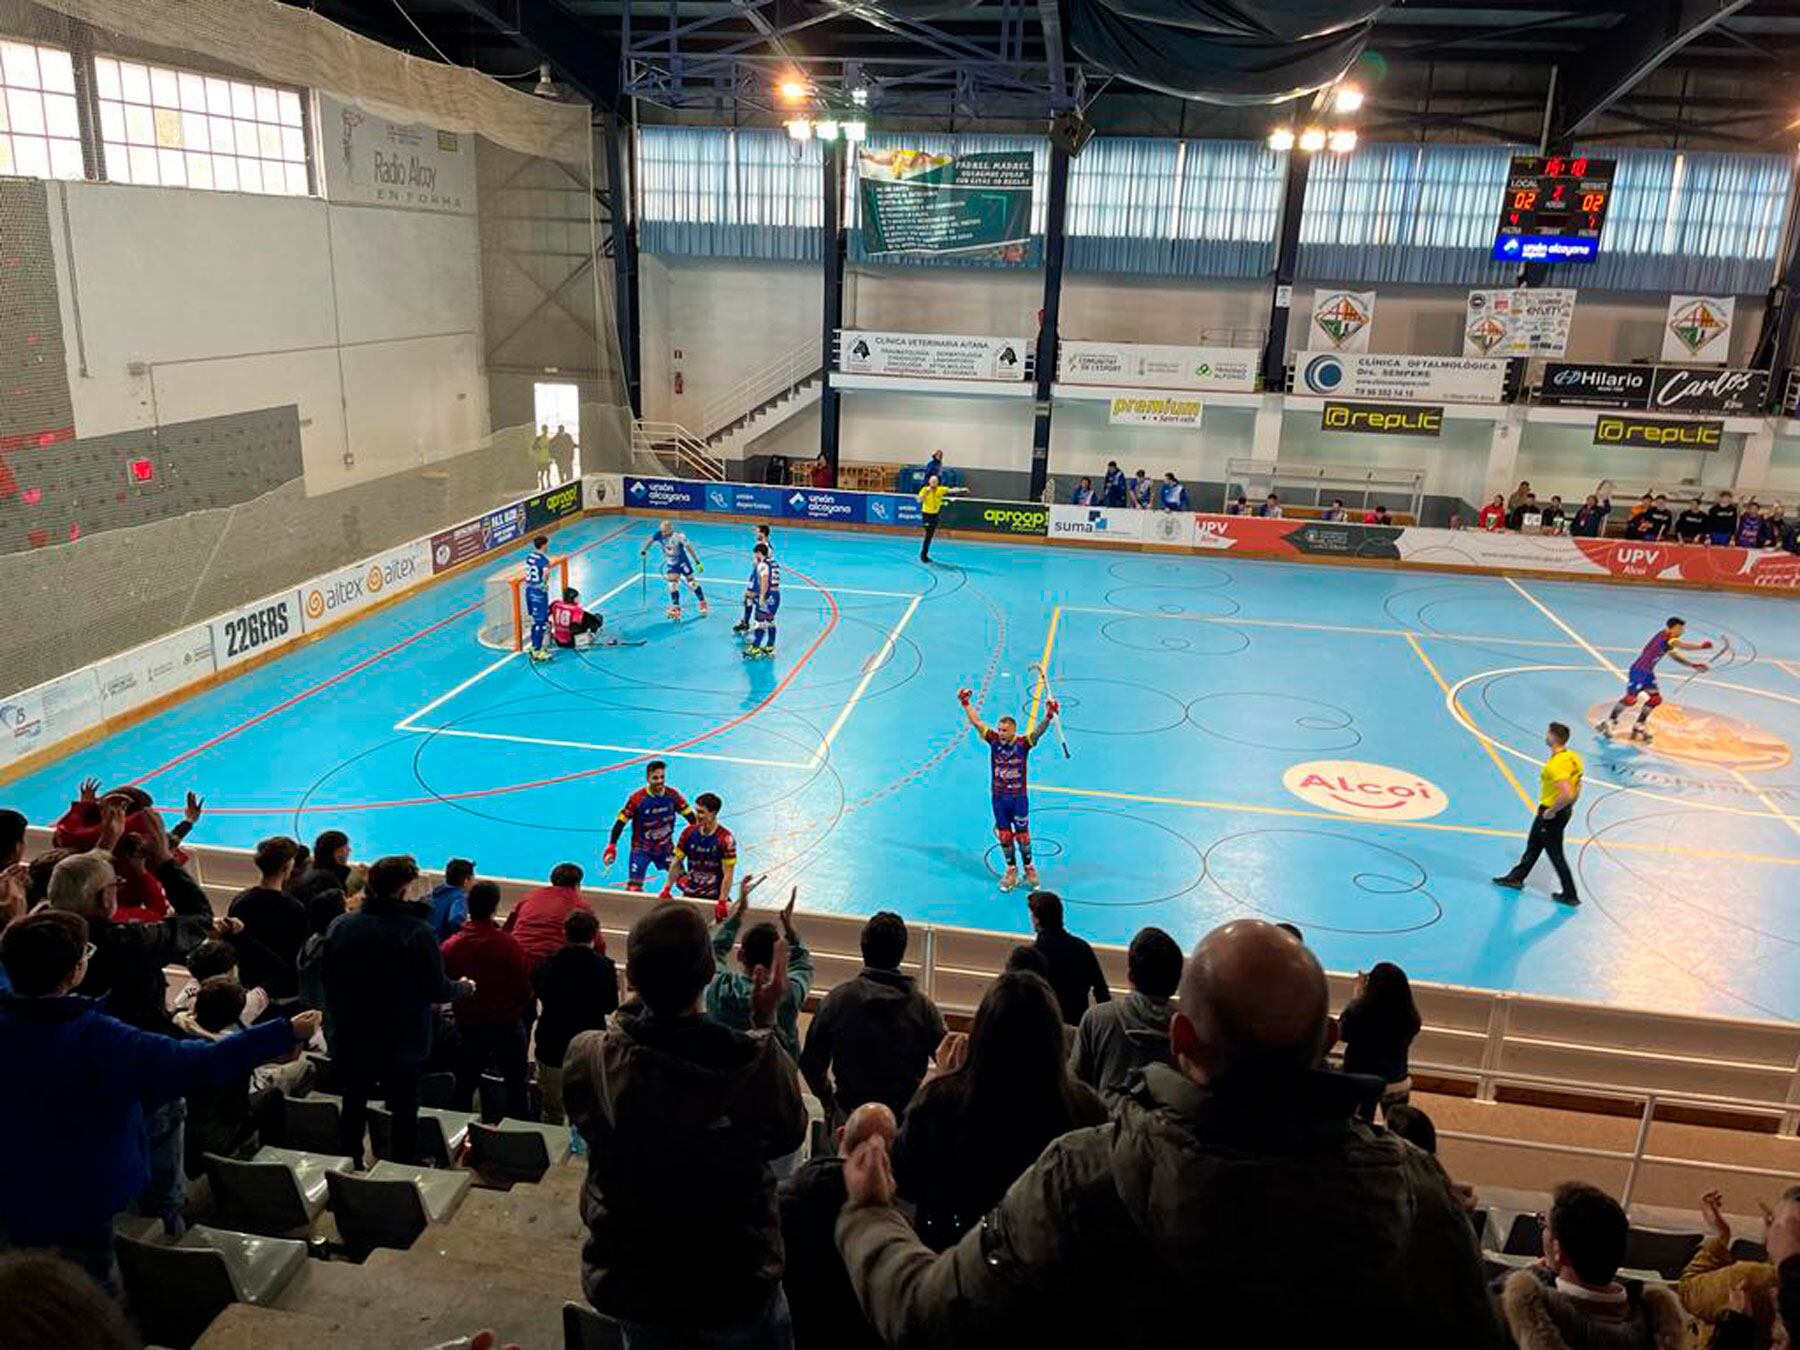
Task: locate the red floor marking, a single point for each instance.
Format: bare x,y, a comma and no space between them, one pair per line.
473,793
323,685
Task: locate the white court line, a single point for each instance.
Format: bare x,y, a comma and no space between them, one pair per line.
875,664
1229,619
608,749
1593,651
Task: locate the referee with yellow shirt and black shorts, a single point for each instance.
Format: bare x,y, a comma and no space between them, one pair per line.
1559,786
931,501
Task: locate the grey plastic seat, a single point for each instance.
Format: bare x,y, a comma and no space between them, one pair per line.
517,1150
1525,1237
442,1191
312,1123
393,1203
278,1191
442,1133
176,1291
585,1329
1748,1249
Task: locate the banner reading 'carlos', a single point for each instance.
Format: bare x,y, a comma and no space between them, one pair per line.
976,205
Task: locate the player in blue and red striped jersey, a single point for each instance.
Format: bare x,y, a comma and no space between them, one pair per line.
1642,677
1007,752
705,858
651,812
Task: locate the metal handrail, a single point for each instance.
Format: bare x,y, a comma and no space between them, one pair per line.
761,387
653,440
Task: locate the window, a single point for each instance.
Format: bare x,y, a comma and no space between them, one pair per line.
177,128
40,130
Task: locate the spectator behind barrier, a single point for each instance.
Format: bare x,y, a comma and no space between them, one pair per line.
1118,1039
1377,1029
1074,970
1714,1286
450,898
578,988
330,870
537,920
729,995
682,1116
1234,1195
490,1023
275,923
873,1037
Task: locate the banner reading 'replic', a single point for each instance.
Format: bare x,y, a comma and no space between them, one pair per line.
976,205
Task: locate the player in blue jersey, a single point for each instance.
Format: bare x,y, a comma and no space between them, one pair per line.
762,537
680,563
651,813
1007,752
1642,678
537,596
766,579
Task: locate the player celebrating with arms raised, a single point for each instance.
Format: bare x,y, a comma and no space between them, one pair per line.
651,811
537,596
680,562
1642,678
705,858
1007,751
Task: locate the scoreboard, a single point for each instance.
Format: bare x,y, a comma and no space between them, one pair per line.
1554,208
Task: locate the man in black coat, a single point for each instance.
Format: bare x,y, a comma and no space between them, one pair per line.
820,1296
1074,969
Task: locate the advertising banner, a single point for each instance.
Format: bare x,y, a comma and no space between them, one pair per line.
1150,410
891,508
375,162
932,356
48,713
664,494
134,678
546,508
1341,320
1168,529
833,504
1698,329
600,491
1430,379
255,629
744,500
995,517
1650,433
1383,419
1581,384
1142,365
975,205
458,544
1709,390
1099,524
1527,321
345,591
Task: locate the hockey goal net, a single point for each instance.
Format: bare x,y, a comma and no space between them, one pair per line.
504,622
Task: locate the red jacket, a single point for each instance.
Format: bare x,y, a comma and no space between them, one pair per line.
537,920
483,952
141,898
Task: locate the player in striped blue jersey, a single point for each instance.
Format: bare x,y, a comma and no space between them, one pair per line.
743,625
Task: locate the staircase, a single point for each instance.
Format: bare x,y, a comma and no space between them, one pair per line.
752,407
670,448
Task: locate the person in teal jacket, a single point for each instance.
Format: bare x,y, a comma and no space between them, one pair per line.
78,1084
728,996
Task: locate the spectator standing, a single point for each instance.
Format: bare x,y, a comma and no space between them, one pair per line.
1120,1038
537,920
730,994
562,450
321,912
1775,526
1690,525
540,456
1074,969
1212,1187
1750,526
1707,1285
578,987
1083,495
73,1138
490,1023
383,975
682,1116
873,1037
1590,517
1527,516
1721,521
935,466
822,476
1172,495
1554,514
1574,1298
141,896
1519,496
274,922
1271,508
1113,485
450,899
330,870
970,1132
1377,1029
1143,491
1493,515
1652,523
825,1311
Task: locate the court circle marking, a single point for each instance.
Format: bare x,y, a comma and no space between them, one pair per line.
1354,787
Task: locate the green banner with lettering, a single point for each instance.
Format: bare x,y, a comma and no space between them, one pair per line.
969,206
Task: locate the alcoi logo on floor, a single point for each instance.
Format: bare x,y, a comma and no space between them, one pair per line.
1374,791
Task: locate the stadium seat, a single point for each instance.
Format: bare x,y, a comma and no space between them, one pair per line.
585,1329
311,1123
392,1204
516,1150
1748,1249
176,1291
1478,1220
442,1133
277,1192
1665,1253
1525,1237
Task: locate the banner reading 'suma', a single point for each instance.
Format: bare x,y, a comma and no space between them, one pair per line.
970,205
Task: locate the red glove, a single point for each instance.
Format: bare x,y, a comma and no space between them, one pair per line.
1054,707
721,909
610,856
1706,646
1701,665
964,695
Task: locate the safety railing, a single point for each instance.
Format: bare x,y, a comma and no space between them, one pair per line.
669,447
760,388
1361,485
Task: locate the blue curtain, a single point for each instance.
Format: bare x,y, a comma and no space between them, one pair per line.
729,193
952,145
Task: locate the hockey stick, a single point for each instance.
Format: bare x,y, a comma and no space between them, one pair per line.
1043,678
1719,659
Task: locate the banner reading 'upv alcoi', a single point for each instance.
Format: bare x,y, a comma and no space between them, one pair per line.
970,206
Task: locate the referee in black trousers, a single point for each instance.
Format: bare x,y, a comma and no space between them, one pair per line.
931,502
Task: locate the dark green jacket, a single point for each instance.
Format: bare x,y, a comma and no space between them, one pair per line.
1263,1217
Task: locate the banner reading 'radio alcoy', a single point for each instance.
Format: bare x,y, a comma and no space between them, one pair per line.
1143,365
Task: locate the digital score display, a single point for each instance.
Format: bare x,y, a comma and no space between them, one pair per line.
1554,208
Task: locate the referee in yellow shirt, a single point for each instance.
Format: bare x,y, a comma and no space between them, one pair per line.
1559,787
931,501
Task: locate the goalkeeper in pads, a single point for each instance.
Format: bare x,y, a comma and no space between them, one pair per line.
570,624
1007,753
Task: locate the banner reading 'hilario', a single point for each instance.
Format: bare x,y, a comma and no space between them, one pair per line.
976,205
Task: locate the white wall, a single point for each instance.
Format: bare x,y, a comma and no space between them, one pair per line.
1454,463
367,318
1784,465
1180,311
1082,441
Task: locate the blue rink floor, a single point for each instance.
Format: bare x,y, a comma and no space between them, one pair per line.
1191,687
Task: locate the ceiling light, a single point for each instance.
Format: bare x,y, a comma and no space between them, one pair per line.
825,129
1281,139
860,97
1348,98
793,90
799,129
1312,140
855,131
1342,141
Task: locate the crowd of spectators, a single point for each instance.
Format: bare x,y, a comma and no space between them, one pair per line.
1077,1168
1651,518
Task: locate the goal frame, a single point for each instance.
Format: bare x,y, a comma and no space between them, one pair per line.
504,622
